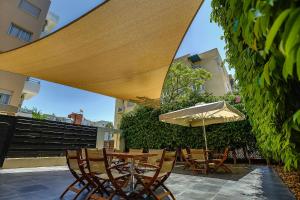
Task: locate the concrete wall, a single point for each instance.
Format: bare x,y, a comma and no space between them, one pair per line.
11,13
219,84
119,143
211,61
121,107
13,83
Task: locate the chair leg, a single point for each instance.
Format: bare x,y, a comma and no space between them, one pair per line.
223,166
151,193
88,196
112,196
101,187
205,168
194,169
68,188
167,189
226,168
82,189
186,165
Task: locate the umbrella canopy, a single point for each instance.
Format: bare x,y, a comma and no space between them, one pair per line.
121,49
212,113
203,114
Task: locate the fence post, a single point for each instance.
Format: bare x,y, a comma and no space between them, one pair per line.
100,138
6,134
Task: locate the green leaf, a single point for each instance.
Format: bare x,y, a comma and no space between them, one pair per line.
275,27
293,37
256,28
270,2
266,72
298,63
296,117
288,26
288,65
246,5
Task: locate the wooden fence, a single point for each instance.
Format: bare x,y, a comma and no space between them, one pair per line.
26,137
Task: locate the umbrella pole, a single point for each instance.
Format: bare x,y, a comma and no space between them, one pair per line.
204,134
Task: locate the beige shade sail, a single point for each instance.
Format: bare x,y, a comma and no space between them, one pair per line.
121,49
203,114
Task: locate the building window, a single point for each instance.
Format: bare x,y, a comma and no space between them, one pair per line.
30,8
20,33
130,104
4,98
194,66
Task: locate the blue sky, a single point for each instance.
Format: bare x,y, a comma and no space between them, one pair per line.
62,100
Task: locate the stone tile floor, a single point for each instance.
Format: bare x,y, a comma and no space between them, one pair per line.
48,183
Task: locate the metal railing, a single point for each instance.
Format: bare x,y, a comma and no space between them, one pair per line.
33,80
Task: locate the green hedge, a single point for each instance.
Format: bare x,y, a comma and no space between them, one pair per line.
142,129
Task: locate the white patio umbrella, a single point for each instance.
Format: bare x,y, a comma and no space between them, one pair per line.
203,114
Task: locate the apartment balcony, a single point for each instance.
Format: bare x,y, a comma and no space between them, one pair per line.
8,109
31,88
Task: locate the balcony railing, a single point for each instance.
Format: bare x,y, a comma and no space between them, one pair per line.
31,88
33,80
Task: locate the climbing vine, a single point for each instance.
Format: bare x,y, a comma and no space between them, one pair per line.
263,46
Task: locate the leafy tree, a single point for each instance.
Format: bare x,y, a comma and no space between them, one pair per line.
182,82
37,114
109,125
263,46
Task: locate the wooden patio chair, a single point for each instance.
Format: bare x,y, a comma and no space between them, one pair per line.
136,150
186,158
97,173
153,160
199,161
218,161
152,180
118,180
93,167
75,162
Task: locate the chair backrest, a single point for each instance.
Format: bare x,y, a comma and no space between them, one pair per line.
155,159
185,154
82,153
72,157
135,150
118,184
198,154
95,161
225,155
169,161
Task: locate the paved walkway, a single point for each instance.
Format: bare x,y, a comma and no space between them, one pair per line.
48,184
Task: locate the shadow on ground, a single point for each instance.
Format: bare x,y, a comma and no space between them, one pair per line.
246,183
238,171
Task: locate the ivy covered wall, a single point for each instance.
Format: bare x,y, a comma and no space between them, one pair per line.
142,129
263,46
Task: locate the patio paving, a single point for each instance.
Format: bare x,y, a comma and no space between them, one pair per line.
48,184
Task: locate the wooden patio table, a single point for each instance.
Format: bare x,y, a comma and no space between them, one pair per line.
133,156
